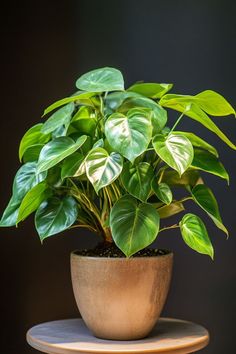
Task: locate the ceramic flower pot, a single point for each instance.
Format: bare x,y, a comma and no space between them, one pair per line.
121,298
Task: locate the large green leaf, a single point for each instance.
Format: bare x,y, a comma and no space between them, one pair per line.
25,179
55,215
32,200
71,165
99,80
204,197
56,150
198,142
192,109
137,179
162,191
60,118
32,137
214,104
134,226
152,90
32,153
10,214
195,235
190,177
84,121
169,210
80,98
176,150
129,135
205,161
101,168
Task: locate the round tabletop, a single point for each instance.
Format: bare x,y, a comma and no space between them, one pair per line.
72,336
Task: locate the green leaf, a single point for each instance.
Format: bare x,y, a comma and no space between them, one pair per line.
71,164
84,121
10,214
190,177
169,210
101,168
214,104
195,235
162,191
55,215
61,117
152,90
129,135
56,150
204,197
205,161
80,98
134,226
198,142
175,150
32,153
189,105
32,137
137,179
100,80
25,179
32,200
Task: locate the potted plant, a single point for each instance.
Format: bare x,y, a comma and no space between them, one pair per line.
107,160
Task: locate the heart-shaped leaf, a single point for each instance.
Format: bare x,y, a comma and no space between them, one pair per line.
60,118
175,150
204,197
71,164
33,199
137,179
152,90
191,177
198,142
195,235
205,161
129,135
56,150
32,137
101,168
134,226
162,191
55,215
9,217
84,121
99,80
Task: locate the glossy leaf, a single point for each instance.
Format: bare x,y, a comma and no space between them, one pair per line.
32,153
10,214
195,235
214,104
56,150
100,80
175,150
101,168
162,191
205,161
169,210
190,177
189,105
129,135
71,164
204,197
32,137
134,226
60,118
152,90
55,215
84,121
137,179
32,200
198,142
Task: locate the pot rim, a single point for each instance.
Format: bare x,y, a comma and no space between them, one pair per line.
126,259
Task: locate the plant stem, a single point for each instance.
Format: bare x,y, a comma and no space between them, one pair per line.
177,122
175,226
185,199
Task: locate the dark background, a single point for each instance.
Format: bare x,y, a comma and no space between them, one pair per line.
45,47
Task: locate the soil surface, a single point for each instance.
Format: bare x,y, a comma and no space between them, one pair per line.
110,250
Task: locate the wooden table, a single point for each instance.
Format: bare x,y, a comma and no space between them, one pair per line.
72,336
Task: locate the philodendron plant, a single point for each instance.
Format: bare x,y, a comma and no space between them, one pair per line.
107,160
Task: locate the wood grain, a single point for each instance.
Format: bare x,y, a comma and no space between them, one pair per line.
72,336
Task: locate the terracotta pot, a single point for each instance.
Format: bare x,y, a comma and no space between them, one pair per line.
121,298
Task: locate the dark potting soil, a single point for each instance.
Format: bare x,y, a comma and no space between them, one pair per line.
112,251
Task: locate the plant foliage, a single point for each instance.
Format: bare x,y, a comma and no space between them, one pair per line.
106,159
